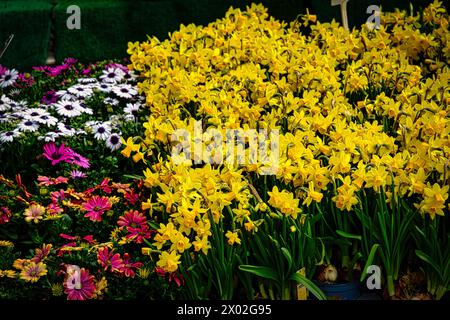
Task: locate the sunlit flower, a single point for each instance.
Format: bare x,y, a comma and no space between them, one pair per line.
34,213
32,272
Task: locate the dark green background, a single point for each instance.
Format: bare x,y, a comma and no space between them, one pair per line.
107,25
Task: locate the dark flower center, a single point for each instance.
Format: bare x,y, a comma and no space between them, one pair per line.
7,77
9,133
111,75
114,140
28,123
68,107
101,130
124,90
34,114
44,117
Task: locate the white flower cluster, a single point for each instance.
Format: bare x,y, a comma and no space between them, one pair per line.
61,118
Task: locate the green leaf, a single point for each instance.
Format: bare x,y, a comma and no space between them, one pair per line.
288,256
348,235
264,272
309,285
369,261
422,255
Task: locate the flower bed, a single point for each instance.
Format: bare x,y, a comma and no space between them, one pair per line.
356,176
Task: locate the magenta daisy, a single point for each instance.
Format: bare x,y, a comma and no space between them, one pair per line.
128,266
76,174
109,259
136,225
95,207
79,285
79,160
57,154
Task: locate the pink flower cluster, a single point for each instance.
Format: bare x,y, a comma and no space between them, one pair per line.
64,154
109,259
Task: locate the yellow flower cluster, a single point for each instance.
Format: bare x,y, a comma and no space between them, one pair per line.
360,109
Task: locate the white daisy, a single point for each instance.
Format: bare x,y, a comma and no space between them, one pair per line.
113,142
9,136
111,101
33,113
5,103
87,80
81,91
47,120
68,108
85,109
4,117
103,87
8,78
101,131
49,137
125,91
65,95
65,130
28,125
112,75
131,110
130,76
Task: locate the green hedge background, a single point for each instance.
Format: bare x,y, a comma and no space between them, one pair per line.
108,25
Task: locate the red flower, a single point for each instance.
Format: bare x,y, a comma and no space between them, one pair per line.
108,259
78,285
136,225
95,207
5,215
47,181
132,197
128,266
41,254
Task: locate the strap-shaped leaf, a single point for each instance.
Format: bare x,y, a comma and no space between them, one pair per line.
309,285
264,272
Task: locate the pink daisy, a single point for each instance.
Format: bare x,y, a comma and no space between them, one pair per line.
79,160
79,285
95,207
108,259
5,215
56,154
128,266
136,225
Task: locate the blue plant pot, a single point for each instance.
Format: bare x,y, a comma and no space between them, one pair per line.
341,291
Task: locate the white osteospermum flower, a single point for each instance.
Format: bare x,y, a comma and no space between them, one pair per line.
101,131
66,130
34,113
4,117
68,108
87,80
103,87
9,136
113,142
28,125
85,109
65,95
47,120
49,137
80,91
111,101
131,110
5,103
8,78
112,75
125,91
